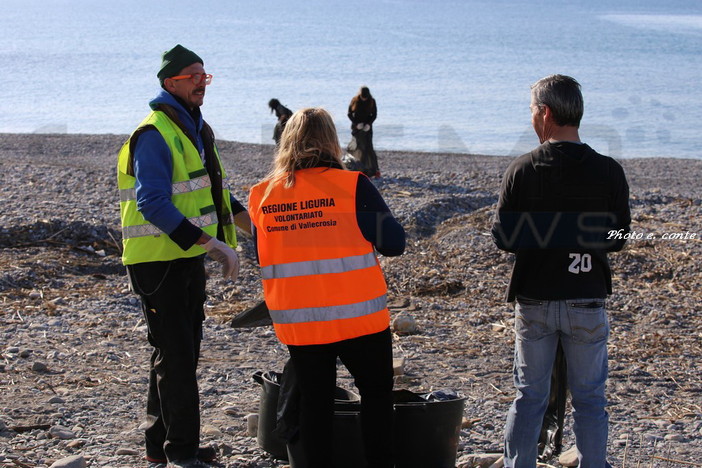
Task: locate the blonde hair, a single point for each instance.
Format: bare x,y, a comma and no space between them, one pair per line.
308,140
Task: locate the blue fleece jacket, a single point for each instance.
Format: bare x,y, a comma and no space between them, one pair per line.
153,169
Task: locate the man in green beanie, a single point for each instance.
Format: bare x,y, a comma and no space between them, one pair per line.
176,208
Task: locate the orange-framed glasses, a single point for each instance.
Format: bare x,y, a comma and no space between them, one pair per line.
196,78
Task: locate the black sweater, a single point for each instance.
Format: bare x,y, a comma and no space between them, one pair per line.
557,206
364,112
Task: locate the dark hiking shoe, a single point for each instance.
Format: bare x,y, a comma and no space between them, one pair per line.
206,453
190,463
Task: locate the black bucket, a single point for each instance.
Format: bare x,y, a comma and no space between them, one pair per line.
268,439
426,435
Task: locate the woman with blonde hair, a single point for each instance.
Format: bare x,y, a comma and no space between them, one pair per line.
317,227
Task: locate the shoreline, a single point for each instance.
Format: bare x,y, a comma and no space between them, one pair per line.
676,176
389,151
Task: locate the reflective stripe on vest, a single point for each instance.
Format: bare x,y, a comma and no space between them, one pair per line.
141,230
323,314
319,267
178,187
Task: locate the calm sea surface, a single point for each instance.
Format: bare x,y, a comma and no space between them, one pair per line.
447,75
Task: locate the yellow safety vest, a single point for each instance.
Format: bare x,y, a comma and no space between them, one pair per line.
191,195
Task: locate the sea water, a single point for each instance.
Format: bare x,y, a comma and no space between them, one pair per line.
447,75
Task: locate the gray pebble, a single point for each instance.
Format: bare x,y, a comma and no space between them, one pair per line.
252,424
76,461
58,301
60,432
127,451
39,367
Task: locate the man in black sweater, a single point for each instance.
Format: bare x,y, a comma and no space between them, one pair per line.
562,207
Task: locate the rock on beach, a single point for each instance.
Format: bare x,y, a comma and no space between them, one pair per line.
75,461
66,301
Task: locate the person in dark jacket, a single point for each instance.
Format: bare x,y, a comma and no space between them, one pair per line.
362,113
559,209
282,113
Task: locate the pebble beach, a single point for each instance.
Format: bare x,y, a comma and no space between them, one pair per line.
74,355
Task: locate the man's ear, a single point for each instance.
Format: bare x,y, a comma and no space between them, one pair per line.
168,85
548,114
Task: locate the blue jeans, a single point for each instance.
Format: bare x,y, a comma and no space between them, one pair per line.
583,328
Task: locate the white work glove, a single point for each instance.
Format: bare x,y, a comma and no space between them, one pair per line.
225,255
359,126
366,127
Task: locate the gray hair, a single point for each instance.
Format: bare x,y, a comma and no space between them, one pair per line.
562,95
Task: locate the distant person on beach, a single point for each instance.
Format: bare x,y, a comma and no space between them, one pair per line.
362,113
317,227
175,209
282,113
557,207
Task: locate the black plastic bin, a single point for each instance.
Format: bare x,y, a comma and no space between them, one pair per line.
427,433
266,436
427,429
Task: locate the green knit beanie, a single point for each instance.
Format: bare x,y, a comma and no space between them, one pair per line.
175,60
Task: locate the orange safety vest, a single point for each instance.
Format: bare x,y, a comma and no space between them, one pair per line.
321,279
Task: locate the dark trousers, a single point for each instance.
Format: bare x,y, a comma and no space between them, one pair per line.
369,360
172,295
551,437
369,158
